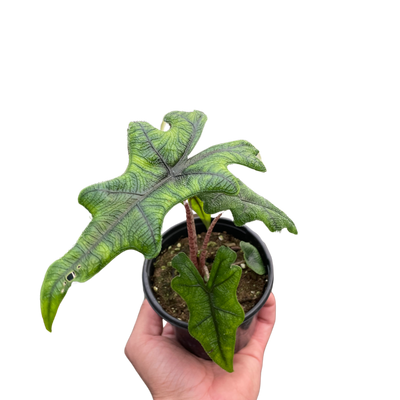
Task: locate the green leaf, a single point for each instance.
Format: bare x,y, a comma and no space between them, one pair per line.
215,312
197,207
248,206
253,258
128,211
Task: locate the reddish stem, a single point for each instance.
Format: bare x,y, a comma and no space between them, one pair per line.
191,228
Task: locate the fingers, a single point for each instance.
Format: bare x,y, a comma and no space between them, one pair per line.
266,320
267,314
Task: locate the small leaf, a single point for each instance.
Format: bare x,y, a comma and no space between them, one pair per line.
253,258
215,312
197,207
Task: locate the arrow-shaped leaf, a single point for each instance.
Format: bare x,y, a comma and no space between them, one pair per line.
215,312
128,211
248,206
253,258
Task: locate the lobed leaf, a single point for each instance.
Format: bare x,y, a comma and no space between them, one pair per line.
128,211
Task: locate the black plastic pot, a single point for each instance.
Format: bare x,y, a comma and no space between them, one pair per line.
246,329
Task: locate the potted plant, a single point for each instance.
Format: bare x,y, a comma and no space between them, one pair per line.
128,212
200,333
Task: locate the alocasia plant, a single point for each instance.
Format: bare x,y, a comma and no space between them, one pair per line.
128,211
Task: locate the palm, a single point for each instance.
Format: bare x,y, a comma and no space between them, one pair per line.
171,372
195,377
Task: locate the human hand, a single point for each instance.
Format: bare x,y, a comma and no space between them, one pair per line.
171,372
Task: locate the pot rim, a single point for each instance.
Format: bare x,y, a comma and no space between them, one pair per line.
148,292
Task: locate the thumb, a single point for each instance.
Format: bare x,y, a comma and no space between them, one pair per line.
148,322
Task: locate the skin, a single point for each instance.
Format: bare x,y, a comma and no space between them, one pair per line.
171,372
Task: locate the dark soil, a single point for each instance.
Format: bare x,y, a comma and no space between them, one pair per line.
251,285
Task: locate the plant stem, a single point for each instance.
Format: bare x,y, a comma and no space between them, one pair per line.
191,228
